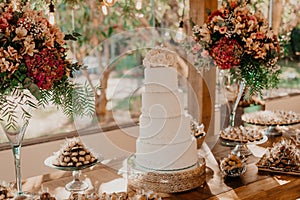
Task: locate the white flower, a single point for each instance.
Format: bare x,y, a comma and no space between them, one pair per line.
158,57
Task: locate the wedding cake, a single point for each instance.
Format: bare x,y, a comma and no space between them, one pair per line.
165,141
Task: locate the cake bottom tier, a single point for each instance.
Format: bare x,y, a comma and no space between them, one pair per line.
165,181
172,156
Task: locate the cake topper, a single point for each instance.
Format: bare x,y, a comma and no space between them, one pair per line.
160,57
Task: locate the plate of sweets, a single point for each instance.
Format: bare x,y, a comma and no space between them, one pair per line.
282,157
232,166
271,118
73,155
242,135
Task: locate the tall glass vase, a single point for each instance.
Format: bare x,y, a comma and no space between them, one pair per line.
15,133
240,150
235,105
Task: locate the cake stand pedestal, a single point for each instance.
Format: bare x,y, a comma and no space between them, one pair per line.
165,181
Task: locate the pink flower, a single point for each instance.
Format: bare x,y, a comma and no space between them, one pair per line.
204,53
196,48
223,29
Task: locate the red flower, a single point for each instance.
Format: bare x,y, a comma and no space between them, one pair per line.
226,53
233,4
7,16
46,67
260,35
3,23
215,13
253,18
224,12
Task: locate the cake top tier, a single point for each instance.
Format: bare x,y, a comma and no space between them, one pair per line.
160,57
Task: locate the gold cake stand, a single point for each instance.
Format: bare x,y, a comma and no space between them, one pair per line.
165,181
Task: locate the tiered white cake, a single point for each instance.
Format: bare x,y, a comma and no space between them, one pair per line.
165,141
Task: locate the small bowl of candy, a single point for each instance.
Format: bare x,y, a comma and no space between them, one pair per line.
232,166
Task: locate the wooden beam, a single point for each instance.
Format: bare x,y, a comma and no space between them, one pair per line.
203,86
276,10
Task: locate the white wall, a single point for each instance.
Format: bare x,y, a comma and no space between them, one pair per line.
111,144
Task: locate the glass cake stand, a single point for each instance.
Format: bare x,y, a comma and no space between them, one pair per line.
240,149
76,185
271,127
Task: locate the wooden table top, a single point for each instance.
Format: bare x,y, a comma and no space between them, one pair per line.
252,185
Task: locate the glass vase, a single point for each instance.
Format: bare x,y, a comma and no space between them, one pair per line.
241,150
15,133
236,103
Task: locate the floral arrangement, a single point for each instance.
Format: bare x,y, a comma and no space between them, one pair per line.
241,41
34,67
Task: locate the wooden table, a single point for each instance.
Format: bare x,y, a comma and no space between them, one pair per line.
252,185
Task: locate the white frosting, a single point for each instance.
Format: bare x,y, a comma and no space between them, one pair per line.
160,57
165,141
165,131
167,157
160,79
163,104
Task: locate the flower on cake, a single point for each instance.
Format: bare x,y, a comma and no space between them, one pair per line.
243,42
160,56
33,60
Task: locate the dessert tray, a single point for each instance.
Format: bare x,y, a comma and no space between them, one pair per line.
73,156
76,185
52,160
232,136
165,181
272,118
283,157
130,195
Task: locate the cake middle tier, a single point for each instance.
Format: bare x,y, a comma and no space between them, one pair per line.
164,131
167,156
163,104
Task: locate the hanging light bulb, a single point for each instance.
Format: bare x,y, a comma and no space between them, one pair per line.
179,37
51,13
104,9
109,3
138,4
